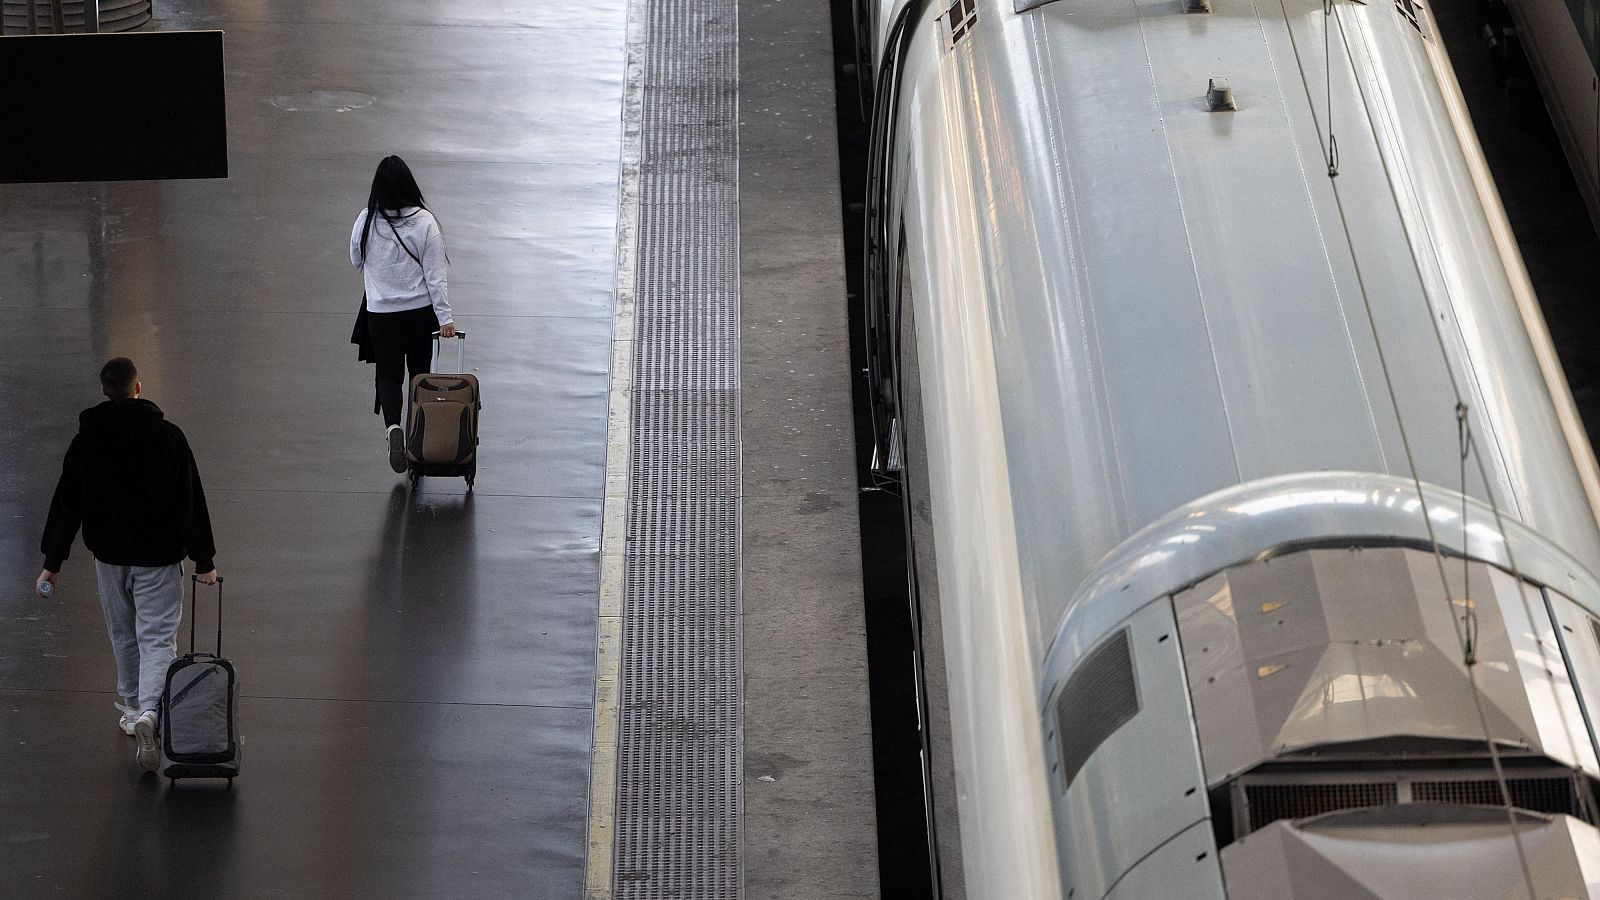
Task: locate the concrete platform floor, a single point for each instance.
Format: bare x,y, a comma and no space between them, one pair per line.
417,669
810,823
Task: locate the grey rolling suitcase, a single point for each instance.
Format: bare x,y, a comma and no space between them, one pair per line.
200,708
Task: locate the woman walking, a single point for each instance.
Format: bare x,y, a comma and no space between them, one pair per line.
397,245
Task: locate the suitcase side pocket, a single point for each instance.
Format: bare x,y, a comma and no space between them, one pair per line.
444,433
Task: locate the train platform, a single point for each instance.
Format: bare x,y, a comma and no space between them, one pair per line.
631,661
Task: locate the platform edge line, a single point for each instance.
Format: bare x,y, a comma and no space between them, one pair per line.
601,843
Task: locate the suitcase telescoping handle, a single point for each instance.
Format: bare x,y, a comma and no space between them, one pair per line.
461,352
194,602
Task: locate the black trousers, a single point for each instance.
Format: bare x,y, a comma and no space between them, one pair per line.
401,341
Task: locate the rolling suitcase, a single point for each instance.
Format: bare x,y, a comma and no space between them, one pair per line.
200,708
442,420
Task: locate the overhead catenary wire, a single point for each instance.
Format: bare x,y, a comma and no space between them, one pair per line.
1469,631
1332,149
1464,631
1464,448
1465,627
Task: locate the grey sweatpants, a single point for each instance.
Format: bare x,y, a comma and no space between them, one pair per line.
143,605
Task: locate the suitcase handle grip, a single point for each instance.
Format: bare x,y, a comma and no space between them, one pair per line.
438,352
194,601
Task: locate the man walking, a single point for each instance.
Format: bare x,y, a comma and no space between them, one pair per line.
130,480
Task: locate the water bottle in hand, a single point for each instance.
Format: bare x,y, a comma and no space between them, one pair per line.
46,589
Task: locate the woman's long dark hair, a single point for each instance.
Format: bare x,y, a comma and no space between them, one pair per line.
393,189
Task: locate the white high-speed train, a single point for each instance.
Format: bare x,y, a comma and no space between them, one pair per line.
1254,530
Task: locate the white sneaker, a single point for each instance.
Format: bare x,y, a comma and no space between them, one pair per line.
397,449
129,716
144,731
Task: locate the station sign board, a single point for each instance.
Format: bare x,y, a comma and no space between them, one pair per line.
112,107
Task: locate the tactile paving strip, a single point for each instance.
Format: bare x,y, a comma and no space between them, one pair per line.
679,750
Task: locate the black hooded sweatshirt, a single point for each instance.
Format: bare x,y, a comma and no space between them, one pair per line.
130,480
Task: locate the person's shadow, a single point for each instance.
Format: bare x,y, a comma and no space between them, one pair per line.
418,650
421,597
164,842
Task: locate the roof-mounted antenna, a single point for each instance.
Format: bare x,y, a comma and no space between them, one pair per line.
1219,96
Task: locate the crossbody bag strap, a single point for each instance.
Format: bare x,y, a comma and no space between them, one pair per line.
414,258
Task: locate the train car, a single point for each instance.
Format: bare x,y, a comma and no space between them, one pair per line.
1253,528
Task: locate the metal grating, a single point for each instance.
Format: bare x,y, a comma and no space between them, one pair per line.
115,15
1558,796
679,797
1270,802
1099,698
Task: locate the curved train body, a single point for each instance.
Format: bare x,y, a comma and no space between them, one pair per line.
1179,420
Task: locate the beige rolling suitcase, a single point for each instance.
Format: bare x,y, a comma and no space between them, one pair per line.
442,421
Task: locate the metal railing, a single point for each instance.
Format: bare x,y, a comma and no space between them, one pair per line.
73,16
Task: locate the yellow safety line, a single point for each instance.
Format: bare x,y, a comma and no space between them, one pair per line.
601,852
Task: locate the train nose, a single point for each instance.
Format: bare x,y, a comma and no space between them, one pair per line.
1351,690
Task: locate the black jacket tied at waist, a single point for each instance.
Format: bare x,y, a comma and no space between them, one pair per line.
361,336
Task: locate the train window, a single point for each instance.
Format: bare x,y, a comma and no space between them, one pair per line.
1100,697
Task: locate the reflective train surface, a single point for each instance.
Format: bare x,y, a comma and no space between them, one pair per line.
1254,530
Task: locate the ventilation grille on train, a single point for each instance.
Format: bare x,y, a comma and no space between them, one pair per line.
1558,796
962,16
1097,700
1271,802
1267,802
